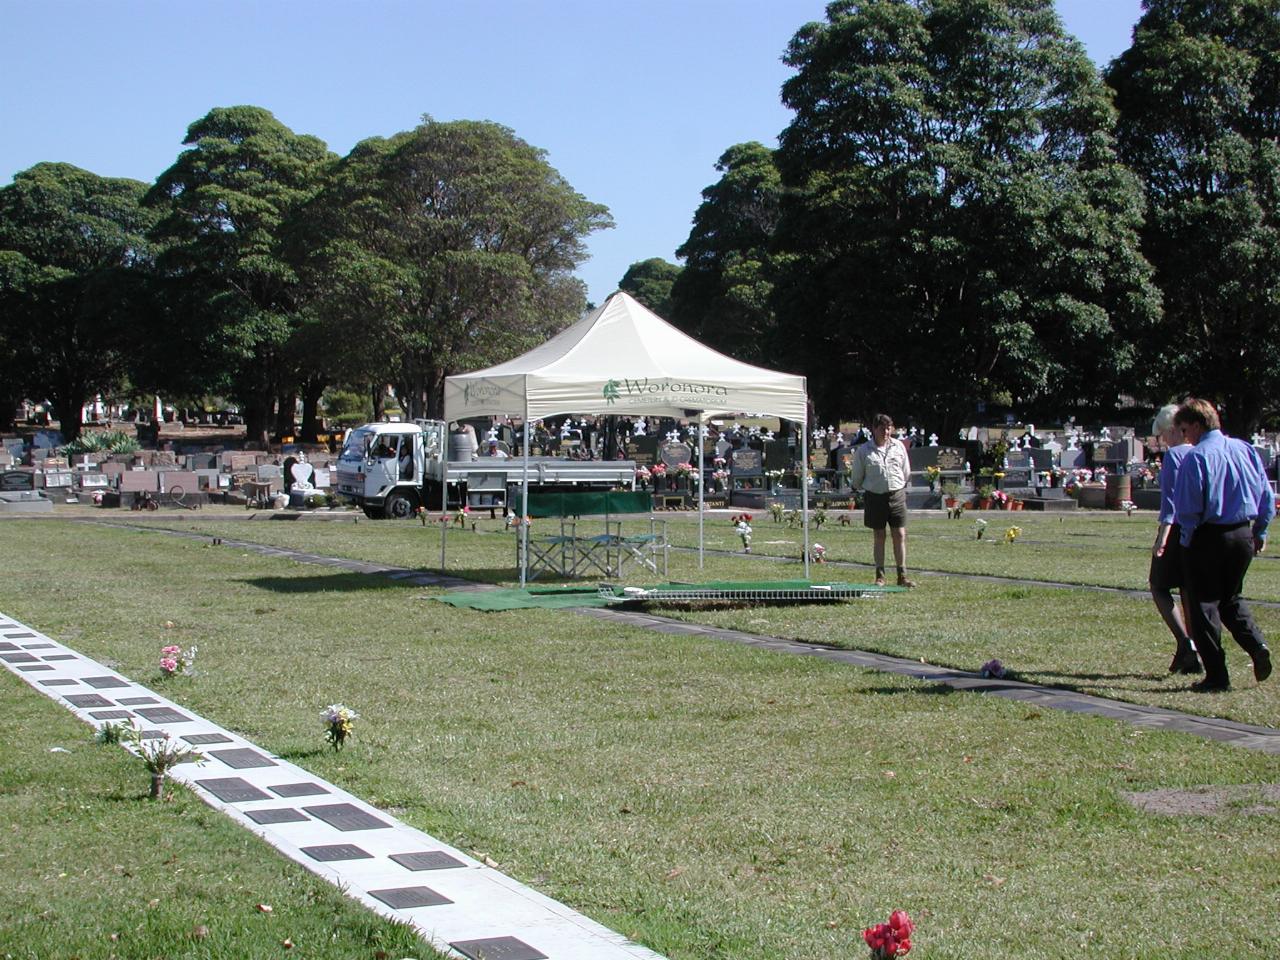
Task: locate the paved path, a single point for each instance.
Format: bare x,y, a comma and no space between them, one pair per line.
461,906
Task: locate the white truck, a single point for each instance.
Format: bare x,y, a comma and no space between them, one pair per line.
391,469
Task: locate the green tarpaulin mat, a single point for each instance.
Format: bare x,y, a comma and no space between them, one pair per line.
587,503
606,594
548,599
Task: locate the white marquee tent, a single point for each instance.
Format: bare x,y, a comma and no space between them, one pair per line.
623,359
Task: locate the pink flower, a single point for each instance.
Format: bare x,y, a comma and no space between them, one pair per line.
168,664
170,651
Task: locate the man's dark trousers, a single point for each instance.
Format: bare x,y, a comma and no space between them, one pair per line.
1215,565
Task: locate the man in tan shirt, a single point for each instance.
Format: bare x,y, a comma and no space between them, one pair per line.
880,470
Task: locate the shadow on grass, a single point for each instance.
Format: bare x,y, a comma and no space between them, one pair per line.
297,754
935,689
357,582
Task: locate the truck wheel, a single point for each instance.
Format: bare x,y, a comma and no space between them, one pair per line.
398,507
371,513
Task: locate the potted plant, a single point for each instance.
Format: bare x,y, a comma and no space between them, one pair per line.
949,490
1000,500
984,496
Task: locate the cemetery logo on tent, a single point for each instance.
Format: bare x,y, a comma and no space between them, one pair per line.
641,389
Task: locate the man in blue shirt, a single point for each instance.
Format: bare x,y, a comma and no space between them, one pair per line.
1223,505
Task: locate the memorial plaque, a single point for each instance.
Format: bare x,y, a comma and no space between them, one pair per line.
297,789
242,759
747,463
136,701
29,667
232,790
37,646
6,645
61,682
337,851
497,948
20,657
111,715
14,481
103,683
57,479
60,656
84,700
20,635
406,898
163,715
275,815
199,739
346,817
427,860
950,458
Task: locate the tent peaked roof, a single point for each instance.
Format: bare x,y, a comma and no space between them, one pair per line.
622,358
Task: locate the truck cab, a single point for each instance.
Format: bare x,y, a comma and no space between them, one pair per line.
384,466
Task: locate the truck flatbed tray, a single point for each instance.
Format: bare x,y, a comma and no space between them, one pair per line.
763,591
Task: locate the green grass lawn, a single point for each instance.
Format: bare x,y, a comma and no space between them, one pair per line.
709,800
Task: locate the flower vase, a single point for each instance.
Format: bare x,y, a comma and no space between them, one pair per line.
1007,505
984,503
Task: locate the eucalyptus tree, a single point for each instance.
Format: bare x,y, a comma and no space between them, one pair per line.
1199,100
74,289
447,247
226,205
958,224
723,294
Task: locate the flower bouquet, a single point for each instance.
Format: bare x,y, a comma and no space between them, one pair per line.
339,724
173,659
892,939
742,527
643,477
931,475
999,499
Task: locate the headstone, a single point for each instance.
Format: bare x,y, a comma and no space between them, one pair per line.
14,481
47,439
212,479
673,454
1018,469
269,471
93,481
747,463
950,459
1072,458
137,481
56,479
186,479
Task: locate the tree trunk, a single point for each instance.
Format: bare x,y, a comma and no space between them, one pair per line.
157,786
286,406
379,394
312,390
257,417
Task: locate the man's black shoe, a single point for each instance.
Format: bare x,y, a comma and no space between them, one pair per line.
1262,664
1187,663
1211,686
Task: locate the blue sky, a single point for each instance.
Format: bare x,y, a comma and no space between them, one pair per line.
633,101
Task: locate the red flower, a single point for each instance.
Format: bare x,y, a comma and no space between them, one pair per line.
901,923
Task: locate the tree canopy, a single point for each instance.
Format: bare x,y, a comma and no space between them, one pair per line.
226,206
650,282
73,256
456,242
1199,100
957,223
722,296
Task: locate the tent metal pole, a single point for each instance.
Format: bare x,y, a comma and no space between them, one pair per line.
804,491
524,494
702,481
444,493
